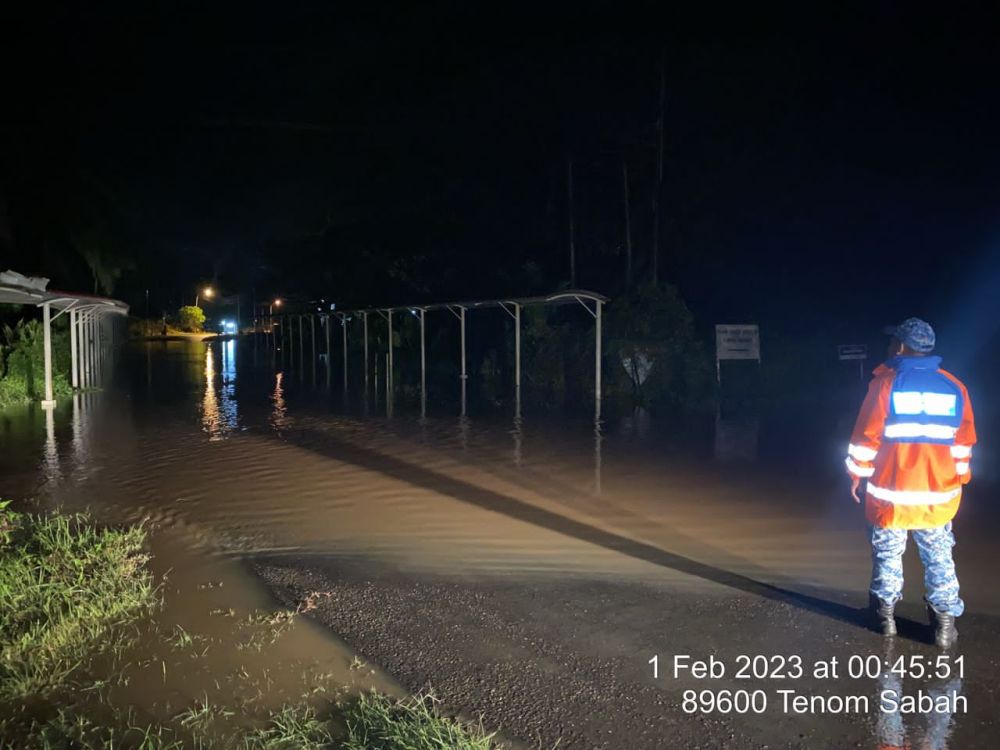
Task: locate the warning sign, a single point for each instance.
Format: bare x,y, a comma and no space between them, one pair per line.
737,342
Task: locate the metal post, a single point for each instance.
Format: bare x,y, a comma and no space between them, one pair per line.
89,355
364,317
423,359
461,319
49,402
517,349
73,365
343,323
81,324
388,372
91,381
465,377
329,352
597,361
99,349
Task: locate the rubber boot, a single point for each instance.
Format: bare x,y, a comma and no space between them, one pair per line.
945,632
882,615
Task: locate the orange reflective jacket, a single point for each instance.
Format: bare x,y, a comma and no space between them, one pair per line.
913,442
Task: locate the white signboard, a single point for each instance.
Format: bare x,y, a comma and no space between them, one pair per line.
737,342
852,351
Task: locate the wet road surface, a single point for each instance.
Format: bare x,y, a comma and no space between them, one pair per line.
529,570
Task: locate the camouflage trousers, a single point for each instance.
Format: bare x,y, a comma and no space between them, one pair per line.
934,546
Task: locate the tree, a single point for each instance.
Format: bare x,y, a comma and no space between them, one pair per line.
191,318
94,244
653,343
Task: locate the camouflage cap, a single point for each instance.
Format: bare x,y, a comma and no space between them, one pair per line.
915,333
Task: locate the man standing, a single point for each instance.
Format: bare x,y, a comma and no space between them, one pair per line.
912,442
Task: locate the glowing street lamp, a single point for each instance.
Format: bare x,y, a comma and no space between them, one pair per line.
270,310
208,293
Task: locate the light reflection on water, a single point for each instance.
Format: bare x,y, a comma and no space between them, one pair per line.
219,412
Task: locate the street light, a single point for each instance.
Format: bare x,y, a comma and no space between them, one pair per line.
270,311
207,291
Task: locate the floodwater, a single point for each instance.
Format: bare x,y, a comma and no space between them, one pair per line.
233,452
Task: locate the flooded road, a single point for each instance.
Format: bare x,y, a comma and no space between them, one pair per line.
558,557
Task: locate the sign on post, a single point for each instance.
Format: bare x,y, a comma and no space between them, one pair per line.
847,352
852,351
735,342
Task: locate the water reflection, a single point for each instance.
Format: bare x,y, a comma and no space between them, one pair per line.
50,457
219,414
924,729
736,438
279,412
598,442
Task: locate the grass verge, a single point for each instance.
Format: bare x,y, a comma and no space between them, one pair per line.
66,589
78,627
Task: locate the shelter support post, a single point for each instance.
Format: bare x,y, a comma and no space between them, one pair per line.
597,314
463,376
329,352
516,315
74,365
343,323
364,318
423,361
49,401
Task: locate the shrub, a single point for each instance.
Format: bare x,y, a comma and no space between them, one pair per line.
191,318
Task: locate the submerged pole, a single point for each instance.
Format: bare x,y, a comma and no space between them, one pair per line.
597,360
388,372
423,360
329,353
364,317
465,377
343,323
517,349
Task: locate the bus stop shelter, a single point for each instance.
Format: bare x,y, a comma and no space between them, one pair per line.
94,325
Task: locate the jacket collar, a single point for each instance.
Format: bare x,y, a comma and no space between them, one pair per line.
901,362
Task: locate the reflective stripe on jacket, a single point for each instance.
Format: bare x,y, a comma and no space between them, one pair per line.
913,442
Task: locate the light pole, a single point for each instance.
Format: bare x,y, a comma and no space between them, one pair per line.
270,312
207,291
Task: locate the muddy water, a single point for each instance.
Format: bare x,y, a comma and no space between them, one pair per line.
235,454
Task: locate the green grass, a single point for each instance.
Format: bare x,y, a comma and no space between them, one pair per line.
78,601
377,722
66,589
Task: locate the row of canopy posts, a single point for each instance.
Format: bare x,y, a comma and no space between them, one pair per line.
95,329
592,302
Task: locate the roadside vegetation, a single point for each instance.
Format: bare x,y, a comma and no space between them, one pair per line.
22,361
80,640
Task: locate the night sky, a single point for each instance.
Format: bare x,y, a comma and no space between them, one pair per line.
835,170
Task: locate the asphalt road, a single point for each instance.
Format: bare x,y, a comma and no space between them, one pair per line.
565,664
